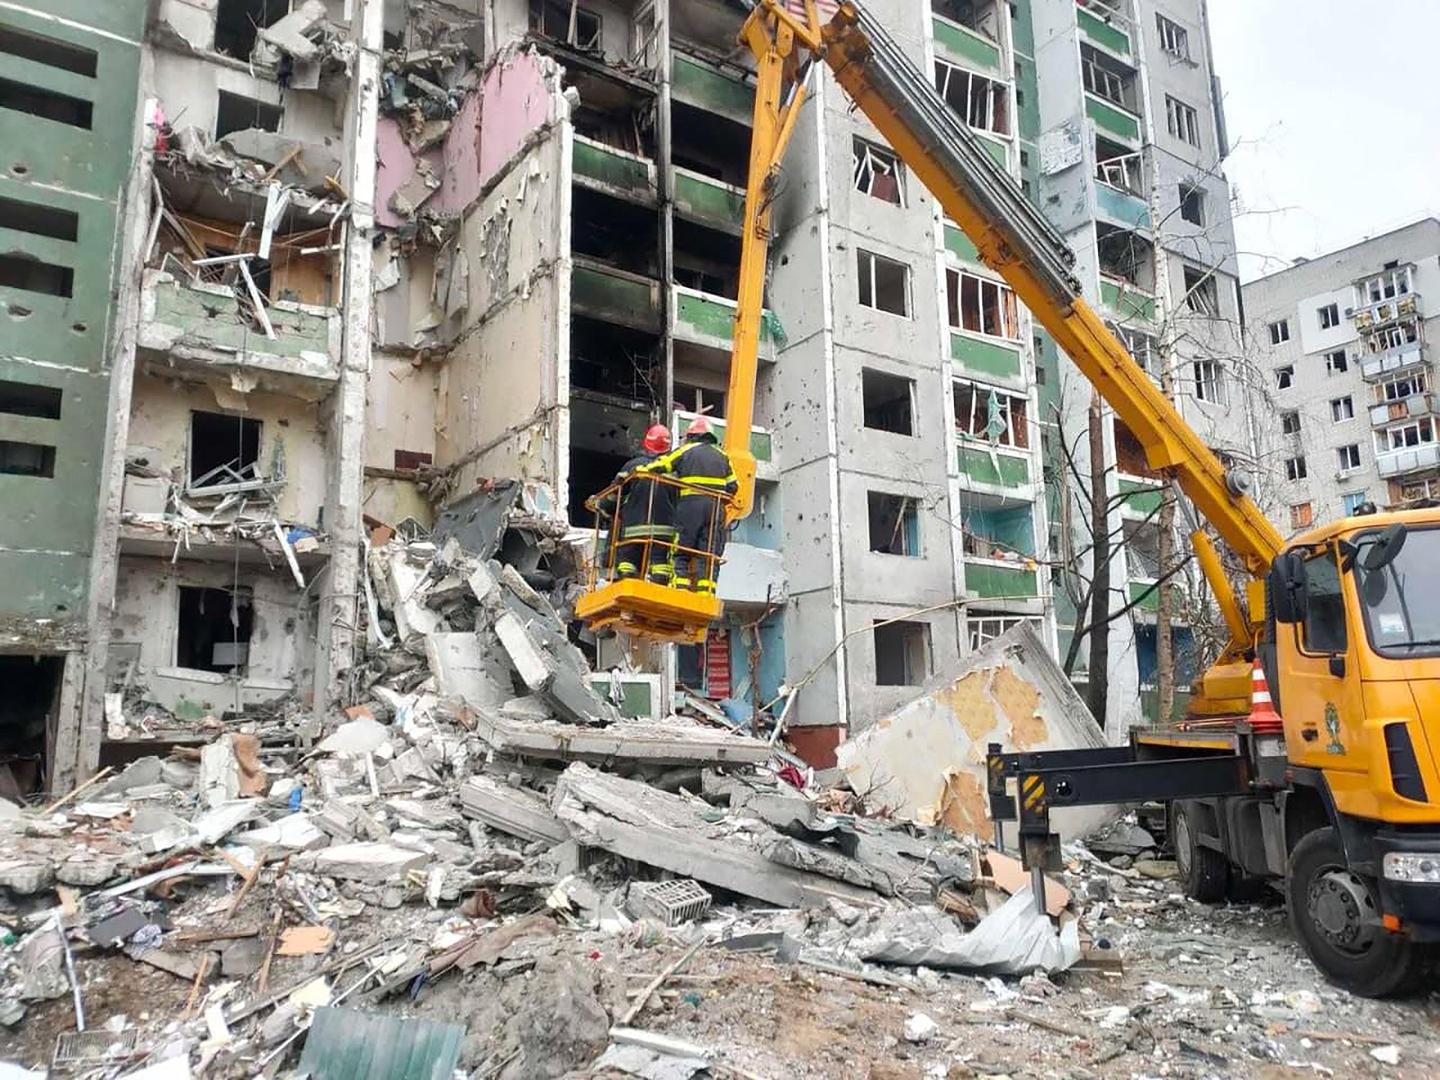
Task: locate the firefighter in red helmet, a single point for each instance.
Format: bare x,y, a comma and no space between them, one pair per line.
643,525
707,480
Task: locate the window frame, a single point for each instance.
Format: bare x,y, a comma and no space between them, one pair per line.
1279,331
1284,376
1328,315
1296,469
874,161
1342,409
1290,422
1334,366
1005,306
1174,38
1182,121
1347,453
996,92
860,275
1217,379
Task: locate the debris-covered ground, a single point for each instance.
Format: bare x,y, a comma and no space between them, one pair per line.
486,848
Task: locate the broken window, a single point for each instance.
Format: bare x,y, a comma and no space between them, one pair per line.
1173,38
1290,422
894,524
884,283
699,399
888,402
902,653
1393,337
982,103
1210,381
1397,438
52,52
1342,409
1192,204
1351,502
29,399
1349,457
214,629
1302,515
1336,363
1142,550
46,104
236,113
1107,78
224,450
1284,377
1182,121
566,21
878,172
1387,286
983,627
1125,255
1406,386
1329,316
977,15
1296,469
1141,348
981,306
994,533
982,412
1202,294
27,459
238,22
1119,167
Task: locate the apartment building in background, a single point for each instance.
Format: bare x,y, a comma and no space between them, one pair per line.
1343,340
366,260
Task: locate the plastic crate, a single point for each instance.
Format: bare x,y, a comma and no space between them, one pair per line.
669,903
97,1047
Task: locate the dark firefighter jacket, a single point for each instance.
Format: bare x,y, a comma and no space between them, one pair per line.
647,508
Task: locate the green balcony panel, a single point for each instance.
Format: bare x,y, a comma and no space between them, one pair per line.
696,83
195,311
1145,596
994,582
959,245
982,465
984,357
626,175
608,296
1120,206
1113,121
1140,498
998,150
712,321
1102,33
965,45
1127,302
709,201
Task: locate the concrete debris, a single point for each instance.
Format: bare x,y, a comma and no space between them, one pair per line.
289,34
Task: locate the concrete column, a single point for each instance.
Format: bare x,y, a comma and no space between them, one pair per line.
340,588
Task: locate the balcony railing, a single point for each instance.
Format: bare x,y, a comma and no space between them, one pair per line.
1381,313
1410,459
619,172
987,466
966,45
1391,361
1406,408
1126,299
705,319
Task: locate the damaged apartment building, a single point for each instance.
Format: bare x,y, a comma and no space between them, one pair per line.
285,278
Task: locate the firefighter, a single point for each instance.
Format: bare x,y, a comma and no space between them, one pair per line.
644,529
707,480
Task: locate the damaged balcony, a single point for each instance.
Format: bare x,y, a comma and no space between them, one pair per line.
993,441
1111,97
708,201
1393,351
1138,484
1127,272
1120,187
967,31
1405,398
709,87
613,171
998,543
1102,25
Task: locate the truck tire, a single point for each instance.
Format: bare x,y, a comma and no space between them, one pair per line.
1203,871
1335,915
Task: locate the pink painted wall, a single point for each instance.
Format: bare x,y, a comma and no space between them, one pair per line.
517,101
397,165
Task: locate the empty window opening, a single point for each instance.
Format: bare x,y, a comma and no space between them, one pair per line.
902,653
1182,121
1296,469
977,15
591,472
21,271
980,102
1125,255
889,402
38,219
894,524
1329,316
28,399
1342,409
1108,78
1210,382
1279,331
1393,283
1173,37
884,283
1290,423
566,21
49,51
1202,294
236,113
611,359
981,306
709,144
28,713
46,104
982,412
237,23
992,533
1142,550
615,232
214,629
1192,204
224,450
27,459
1336,363
1285,377
1302,515
1348,456
878,172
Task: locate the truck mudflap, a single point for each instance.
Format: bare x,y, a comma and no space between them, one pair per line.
1409,880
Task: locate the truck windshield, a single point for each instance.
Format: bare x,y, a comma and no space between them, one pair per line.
1401,615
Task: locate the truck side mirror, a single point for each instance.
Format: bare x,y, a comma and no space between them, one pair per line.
1382,552
1287,587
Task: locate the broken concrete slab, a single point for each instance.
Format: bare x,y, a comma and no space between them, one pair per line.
926,760
529,662
511,810
42,964
461,670
635,821
307,169
363,735
369,863
294,832
658,744
26,876
407,582
289,34
218,822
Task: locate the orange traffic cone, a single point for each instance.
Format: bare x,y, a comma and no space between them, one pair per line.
1263,718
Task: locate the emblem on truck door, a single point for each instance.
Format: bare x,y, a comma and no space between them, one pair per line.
1332,725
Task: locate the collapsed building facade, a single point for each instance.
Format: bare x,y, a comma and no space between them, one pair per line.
364,260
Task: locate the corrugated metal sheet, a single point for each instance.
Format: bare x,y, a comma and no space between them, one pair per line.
346,1044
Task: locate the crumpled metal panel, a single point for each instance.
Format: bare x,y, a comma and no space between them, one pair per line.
346,1044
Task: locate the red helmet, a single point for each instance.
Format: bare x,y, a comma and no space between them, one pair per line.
699,428
657,439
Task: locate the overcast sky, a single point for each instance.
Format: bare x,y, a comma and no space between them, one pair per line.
1333,109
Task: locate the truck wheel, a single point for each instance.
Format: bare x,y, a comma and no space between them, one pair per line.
1203,870
1335,914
